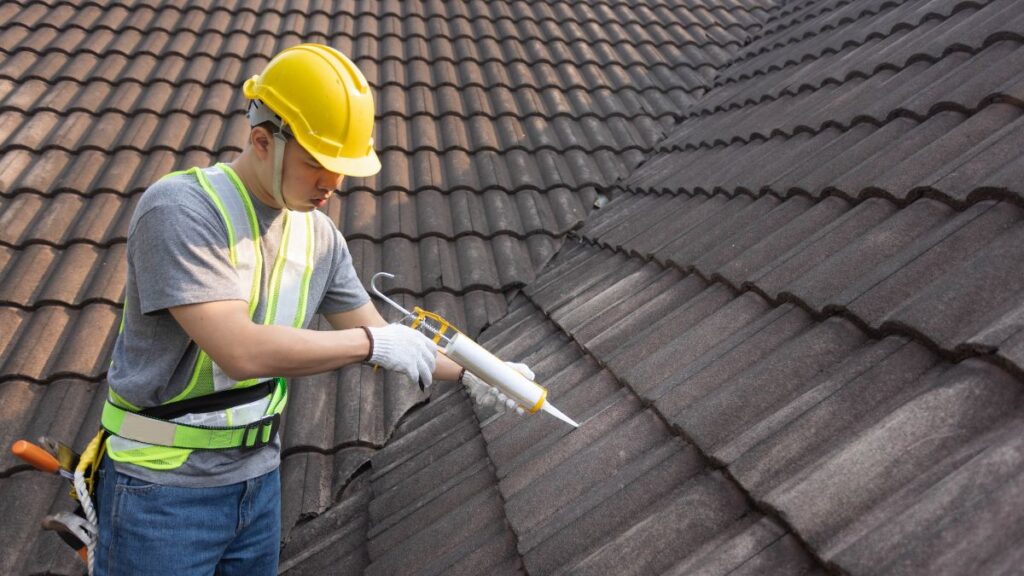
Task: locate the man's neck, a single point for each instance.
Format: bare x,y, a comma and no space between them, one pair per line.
244,167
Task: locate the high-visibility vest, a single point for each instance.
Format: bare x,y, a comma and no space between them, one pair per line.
166,444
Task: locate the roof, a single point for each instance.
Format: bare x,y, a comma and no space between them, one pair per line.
792,337
499,125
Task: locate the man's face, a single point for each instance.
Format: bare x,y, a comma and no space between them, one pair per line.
306,184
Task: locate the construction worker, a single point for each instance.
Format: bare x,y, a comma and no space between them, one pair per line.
227,266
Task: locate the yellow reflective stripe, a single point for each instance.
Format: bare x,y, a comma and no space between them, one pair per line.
307,275
279,398
275,276
257,277
152,457
124,310
120,329
202,358
208,188
118,400
197,370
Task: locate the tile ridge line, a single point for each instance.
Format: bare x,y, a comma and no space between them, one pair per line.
607,3
381,36
49,50
964,351
808,88
831,50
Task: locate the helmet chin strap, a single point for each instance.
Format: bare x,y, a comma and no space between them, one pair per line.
279,141
258,113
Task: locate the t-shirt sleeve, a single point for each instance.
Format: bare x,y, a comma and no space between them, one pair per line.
181,257
344,290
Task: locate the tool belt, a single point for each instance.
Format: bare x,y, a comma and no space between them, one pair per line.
153,425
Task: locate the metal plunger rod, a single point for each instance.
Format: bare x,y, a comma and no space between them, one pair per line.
400,308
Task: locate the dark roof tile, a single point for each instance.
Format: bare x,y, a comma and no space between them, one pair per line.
992,164
981,492
426,426
659,300
639,217
701,335
776,276
459,533
403,485
578,474
526,451
732,549
602,299
971,399
673,529
830,282
387,534
965,302
704,235
597,513
54,341
779,375
309,476
575,531
946,149
772,215
798,408
880,292
784,556
335,540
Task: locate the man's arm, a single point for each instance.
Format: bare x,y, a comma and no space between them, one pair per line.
244,349
367,315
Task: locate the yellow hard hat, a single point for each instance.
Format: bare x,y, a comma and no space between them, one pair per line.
325,101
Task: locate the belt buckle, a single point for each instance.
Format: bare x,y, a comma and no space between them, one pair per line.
274,420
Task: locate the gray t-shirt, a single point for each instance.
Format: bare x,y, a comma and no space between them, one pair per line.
177,255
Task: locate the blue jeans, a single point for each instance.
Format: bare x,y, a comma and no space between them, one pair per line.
154,529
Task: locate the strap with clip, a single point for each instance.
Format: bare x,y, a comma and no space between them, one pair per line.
155,430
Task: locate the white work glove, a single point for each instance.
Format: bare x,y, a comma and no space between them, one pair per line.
402,349
486,395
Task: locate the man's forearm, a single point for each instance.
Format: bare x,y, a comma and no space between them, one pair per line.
367,315
290,352
270,350
446,369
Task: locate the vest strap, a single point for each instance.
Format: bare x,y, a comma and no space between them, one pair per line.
210,403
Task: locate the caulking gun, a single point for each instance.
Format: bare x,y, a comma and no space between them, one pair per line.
526,393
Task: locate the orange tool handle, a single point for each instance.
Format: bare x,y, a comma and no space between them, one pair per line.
36,456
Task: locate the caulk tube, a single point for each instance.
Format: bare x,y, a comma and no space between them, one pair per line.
489,368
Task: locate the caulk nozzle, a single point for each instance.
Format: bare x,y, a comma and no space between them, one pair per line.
547,407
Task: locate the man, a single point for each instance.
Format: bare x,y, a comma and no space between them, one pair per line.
227,266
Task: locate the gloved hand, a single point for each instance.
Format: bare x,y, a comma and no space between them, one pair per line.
486,395
402,349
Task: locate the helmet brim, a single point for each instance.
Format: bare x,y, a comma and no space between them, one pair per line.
359,167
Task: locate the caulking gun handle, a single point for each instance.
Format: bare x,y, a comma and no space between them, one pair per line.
36,456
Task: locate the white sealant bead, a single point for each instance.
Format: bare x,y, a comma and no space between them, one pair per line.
510,404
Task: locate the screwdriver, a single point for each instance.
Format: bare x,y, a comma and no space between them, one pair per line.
39,458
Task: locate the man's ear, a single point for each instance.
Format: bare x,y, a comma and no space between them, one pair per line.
261,140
